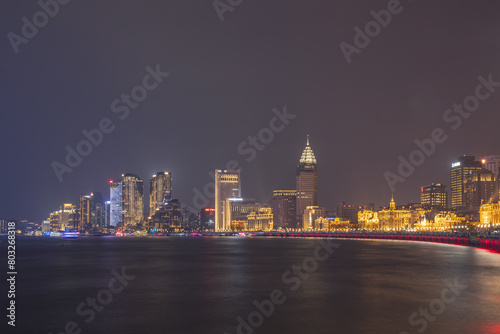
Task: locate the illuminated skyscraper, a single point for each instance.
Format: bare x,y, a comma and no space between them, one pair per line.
284,209
107,214
492,163
116,205
133,195
479,189
307,182
160,191
459,170
85,210
227,185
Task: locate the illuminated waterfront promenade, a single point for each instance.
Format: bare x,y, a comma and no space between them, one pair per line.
490,242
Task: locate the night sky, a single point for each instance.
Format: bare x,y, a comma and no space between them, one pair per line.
225,79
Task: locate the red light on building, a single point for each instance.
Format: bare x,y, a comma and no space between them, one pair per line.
110,181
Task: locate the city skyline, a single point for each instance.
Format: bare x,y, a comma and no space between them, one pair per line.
362,115
489,162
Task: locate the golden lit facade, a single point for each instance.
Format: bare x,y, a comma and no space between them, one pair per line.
227,185
490,216
331,224
368,219
132,199
261,220
448,222
311,213
391,219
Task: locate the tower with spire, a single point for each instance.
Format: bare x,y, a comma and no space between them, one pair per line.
307,182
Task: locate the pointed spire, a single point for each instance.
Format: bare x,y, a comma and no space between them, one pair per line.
392,205
308,154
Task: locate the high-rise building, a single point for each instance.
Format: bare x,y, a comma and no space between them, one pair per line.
434,196
160,191
116,205
311,213
307,182
133,196
227,185
168,217
98,211
459,171
284,209
107,214
479,189
492,163
85,212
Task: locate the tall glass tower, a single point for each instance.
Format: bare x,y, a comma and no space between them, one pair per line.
116,205
307,182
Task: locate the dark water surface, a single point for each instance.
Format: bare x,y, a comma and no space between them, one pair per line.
202,285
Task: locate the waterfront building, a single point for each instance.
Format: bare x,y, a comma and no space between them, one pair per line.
311,213
368,219
448,222
479,187
237,210
490,216
492,163
459,172
84,211
45,226
98,213
116,202
331,224
107,214
227,185
207,218
434,196
132,200
168,217
160,191
307,182
391,219
261,220
284,209
349,212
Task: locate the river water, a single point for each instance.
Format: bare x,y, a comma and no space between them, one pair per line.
254,285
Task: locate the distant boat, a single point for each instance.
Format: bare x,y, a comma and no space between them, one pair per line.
70,234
